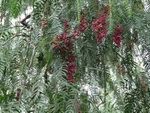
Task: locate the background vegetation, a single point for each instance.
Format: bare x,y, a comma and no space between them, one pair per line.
56,58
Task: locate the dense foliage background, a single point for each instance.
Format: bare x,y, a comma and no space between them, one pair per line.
75,56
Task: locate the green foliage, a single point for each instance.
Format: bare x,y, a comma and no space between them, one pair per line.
33,74
38,10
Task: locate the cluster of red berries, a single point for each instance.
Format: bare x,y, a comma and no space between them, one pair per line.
83,24
71,67
64,44
66,25
81,28
117,35
99,26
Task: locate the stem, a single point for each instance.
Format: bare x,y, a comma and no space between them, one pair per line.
78,9
110,16
104,75
129,10
32,57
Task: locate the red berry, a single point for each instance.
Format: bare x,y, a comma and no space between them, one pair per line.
83,24
71,67
117,35
101,36
66,25
99,26
76,33
70,78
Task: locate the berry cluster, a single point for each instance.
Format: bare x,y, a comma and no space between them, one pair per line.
76,33
71,67
83,24
66,25
117,35
81,28
99,26
64,44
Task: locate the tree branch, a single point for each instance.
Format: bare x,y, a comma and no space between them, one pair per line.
24,23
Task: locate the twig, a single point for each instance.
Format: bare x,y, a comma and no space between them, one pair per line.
32,57
16,35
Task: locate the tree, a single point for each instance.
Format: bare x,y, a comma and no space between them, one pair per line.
74,56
